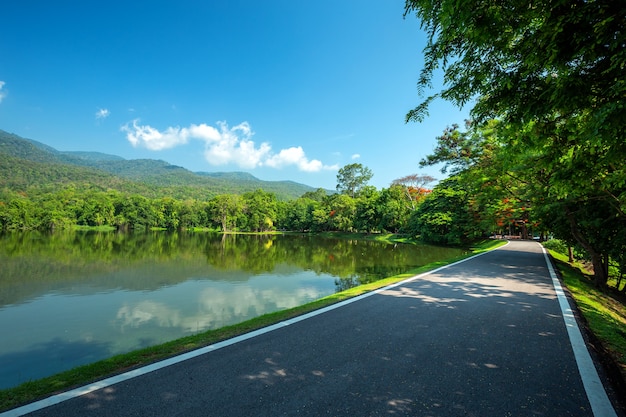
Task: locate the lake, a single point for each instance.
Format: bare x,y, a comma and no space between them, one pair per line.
76,297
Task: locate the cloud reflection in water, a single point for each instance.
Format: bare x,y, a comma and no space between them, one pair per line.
214,307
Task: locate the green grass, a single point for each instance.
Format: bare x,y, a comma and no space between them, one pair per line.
605,315
34,390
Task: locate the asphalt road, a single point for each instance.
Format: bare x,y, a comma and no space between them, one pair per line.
485,337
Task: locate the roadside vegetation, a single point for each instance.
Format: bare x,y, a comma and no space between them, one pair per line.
603,311
34,390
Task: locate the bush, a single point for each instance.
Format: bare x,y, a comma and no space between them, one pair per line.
556,245
561,247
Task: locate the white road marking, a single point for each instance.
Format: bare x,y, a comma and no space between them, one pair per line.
600,403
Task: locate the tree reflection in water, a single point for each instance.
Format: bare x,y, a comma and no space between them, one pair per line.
108,293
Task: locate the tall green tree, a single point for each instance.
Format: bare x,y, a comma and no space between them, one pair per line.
225,210
367,211
260,210
168,212
18,212
299,214
352,178
394,210
341,212
132,211
446,216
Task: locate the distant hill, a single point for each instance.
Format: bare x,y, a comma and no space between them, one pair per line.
94,156
26,163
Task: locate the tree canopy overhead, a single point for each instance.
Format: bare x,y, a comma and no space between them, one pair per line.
523,60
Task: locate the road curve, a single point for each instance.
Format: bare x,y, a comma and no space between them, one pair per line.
482,337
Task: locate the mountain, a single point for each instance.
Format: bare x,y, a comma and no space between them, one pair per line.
94,156
28,163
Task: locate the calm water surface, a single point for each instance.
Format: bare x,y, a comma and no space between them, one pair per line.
67,299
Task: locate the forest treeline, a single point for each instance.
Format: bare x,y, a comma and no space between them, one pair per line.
370,210
443,216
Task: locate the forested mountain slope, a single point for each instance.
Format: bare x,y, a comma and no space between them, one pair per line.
27,164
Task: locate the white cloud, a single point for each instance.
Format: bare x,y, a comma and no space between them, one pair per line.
356,156
295,156
3,94
102,114
232,145
204,132
150,138
223,145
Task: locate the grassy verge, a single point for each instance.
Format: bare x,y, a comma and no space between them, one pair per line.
34,390
604,314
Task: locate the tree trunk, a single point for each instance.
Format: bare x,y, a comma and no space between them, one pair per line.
570,253
524,232
600,275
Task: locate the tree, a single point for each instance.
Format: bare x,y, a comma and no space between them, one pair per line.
168,213
394,212
18,213
96,209
260,209
298,214
342,209
414,186
524,62
132,211
367,210
558,65
320,219
317,195
445,217
352,178
191,214
53,212
225,209
555,66
521,178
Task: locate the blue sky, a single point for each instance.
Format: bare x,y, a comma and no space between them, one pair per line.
283,89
